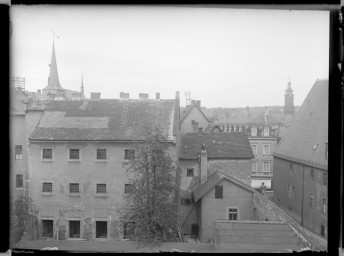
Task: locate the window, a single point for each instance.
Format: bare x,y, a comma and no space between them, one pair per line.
326,150
311,199
190,172
289,191
129,154
47,187
324,206
218,192
311,173
266,168
185,201
128,188
101,188
232,214
74,229
101,154
48,228
18,152
254,167
266,149
74,188
240,129
101,229
325,179
47,153
19,181
254,131
254,148
291,169
74,154
266,131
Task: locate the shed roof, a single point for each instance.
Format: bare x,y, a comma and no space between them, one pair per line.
104,119
218,145
213,179
310,128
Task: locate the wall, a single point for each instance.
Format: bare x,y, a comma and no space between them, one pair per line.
312,217
194,114
88,207
260,158
216,209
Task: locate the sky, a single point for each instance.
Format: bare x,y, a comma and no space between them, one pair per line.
224,57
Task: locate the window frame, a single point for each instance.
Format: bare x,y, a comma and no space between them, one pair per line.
22,181
217,195
74,193
101,194
47,159
254,170
129,156
98,154
192,172
268,151
47,219
269,165
236,208
254,149
18,150
47,192
266,134
74,159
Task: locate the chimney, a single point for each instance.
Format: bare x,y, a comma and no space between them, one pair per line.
177,94
198,103
157,96
203,164
39,91
143,96
124,95
95,95
200,129
194,126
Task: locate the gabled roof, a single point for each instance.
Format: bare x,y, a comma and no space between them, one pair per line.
104,119
188,109
310,128
218,145
213,179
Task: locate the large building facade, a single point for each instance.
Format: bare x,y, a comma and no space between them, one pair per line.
301,160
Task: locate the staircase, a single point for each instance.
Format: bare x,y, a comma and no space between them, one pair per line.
254,237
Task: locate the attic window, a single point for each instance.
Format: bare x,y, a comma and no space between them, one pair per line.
315,146
218,192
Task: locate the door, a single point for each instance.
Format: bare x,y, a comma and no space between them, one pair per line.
74,229
101,229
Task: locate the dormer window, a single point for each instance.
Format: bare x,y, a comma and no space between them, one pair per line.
254,131
266,131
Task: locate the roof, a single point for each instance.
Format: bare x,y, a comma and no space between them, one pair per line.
17,100
188,109
213,179
218,145
104,119
310,128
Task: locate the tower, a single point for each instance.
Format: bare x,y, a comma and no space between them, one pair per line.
54,86
289,110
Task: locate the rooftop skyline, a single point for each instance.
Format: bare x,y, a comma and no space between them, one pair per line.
224,57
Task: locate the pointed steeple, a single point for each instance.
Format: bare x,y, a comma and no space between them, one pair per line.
53,80
82,85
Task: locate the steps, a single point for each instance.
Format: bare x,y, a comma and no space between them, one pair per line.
254,237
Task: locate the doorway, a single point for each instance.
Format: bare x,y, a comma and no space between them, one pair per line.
101,229
74,229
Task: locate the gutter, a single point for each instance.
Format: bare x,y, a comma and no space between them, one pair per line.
113,141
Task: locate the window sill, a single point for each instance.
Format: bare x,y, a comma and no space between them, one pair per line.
74,160
74,194
47,194
47,160
20,188
101,160
105,195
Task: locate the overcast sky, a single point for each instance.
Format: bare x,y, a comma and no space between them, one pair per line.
224,57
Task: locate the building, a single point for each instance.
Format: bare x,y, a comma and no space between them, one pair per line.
54,89
301,160
77,150
193,118
209,162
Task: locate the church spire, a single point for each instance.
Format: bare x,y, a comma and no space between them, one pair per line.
53,80
82,85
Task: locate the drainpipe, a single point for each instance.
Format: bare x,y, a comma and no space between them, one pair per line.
303,184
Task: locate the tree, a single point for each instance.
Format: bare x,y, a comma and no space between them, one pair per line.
24,216
150,212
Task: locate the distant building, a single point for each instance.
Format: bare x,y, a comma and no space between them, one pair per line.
193,119
204,157
54,89
301,163
77,150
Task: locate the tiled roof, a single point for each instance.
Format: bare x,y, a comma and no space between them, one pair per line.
309,128
102,119
217,145
212,180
